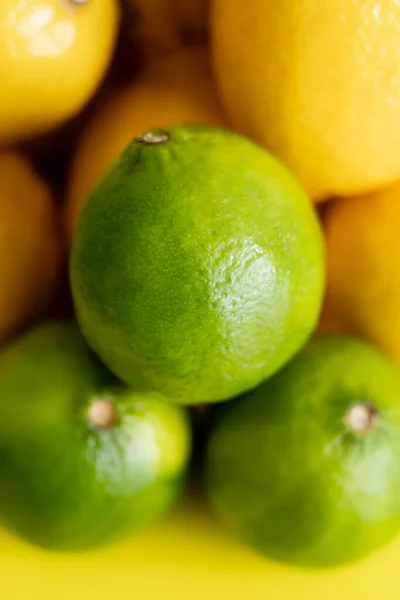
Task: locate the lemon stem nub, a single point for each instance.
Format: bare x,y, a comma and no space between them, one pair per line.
361,418
153,137
102,413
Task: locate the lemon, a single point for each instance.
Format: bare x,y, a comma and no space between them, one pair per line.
318,83
53,55
30,248
363,292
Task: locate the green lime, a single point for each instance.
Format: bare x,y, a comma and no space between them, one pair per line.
197,267
306,467
83,458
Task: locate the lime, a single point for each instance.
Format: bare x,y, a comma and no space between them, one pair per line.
197,266
306,467
83,458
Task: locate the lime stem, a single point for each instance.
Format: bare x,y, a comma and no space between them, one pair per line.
361,418
153,137
102,413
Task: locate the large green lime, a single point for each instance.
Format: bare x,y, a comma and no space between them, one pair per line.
197,266
83,458
306,467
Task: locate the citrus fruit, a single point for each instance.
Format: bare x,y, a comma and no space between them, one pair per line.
305,468
197,267
30,250
174,89
54,53
317,83
363,278
83,458
160,26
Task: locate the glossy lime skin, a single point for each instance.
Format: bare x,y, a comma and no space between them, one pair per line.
285,473
197,267
65,484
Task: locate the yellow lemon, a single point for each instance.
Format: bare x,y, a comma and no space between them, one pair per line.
30,256
363,251
318,83
53,55
174,89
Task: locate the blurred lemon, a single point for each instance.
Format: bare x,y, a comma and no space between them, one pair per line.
363,248
30,258
318,83
174,89
164,25
53,55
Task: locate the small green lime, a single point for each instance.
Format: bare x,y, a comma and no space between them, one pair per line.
306,467
83,458
197,267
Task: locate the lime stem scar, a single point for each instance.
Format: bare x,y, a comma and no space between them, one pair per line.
361,418
102,413
153,137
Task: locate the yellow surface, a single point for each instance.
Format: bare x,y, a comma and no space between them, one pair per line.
53,55
185,557
318,83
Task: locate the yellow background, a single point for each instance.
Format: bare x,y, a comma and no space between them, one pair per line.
186,557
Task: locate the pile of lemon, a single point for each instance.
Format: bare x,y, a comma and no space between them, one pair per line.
199,216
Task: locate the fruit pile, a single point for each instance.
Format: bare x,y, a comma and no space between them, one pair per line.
199,214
